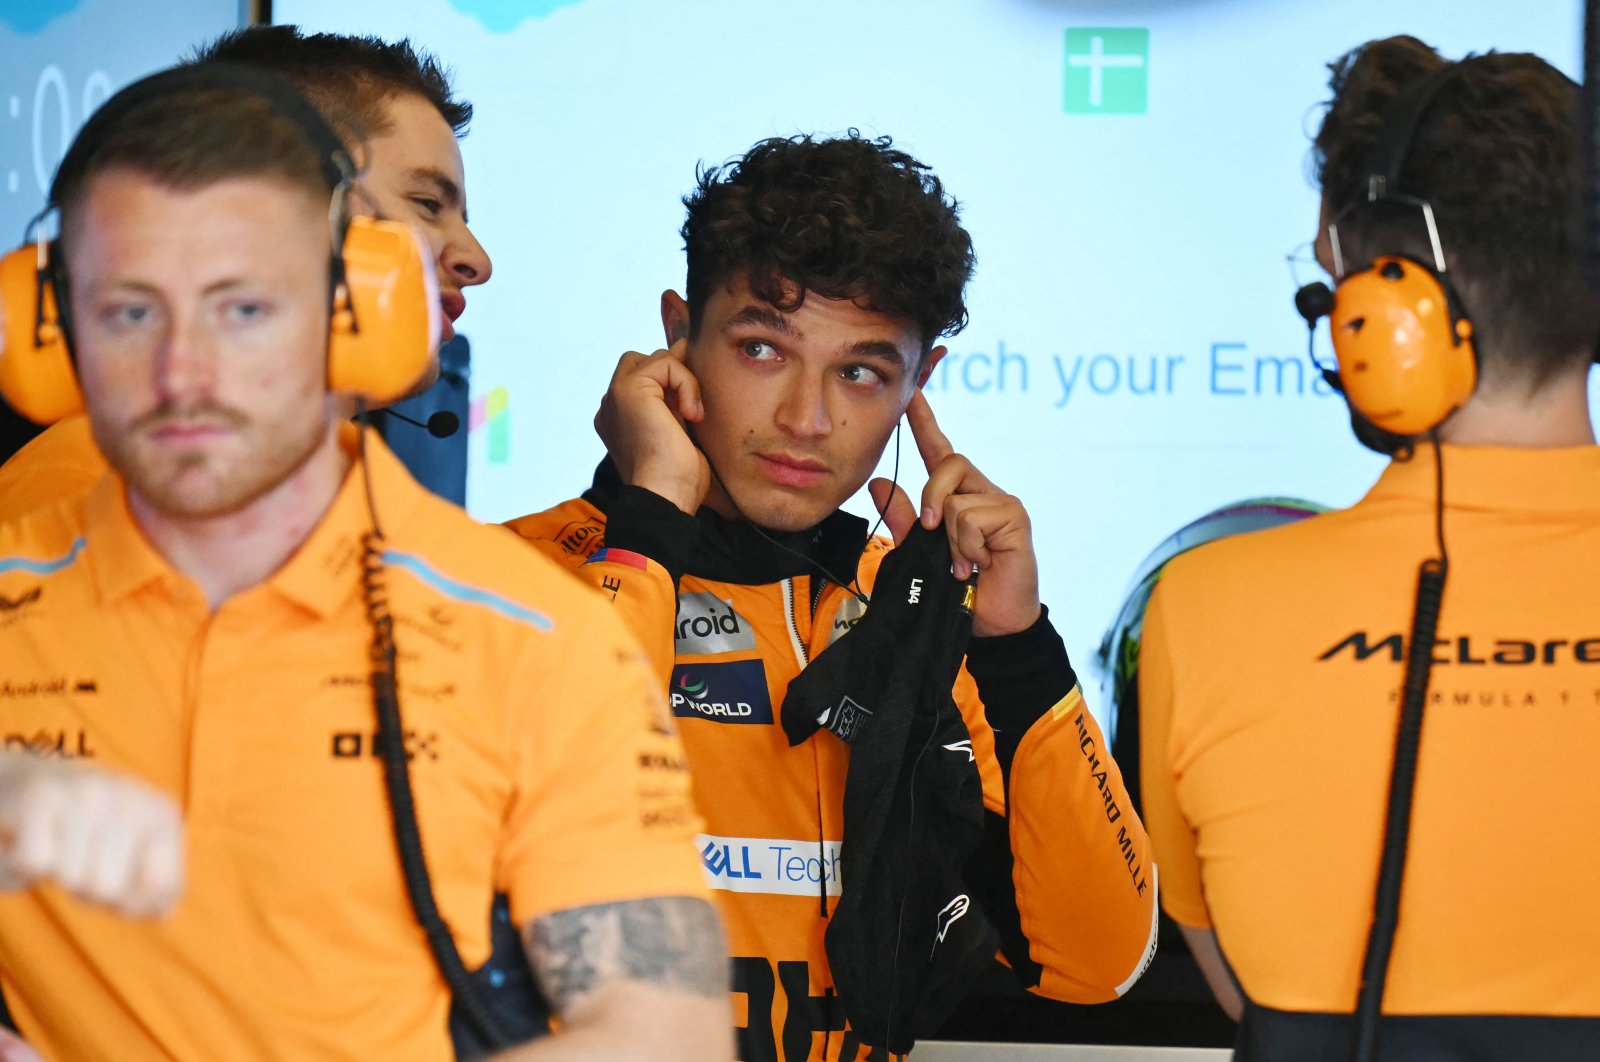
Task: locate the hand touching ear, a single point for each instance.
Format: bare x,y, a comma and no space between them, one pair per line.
642,421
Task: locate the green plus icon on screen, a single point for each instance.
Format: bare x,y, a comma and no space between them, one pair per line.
1108,71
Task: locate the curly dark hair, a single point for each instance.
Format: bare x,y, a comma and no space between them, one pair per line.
846,217
348,78
1498,154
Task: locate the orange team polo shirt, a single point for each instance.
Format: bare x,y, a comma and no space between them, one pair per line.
543,760
59,462
1269,690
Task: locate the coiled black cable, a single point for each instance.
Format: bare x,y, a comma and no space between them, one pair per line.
1402,783
391,745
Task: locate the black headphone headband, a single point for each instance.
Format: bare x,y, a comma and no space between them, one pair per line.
333,158
290,104
1381,175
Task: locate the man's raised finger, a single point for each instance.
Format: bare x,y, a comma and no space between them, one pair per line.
931,441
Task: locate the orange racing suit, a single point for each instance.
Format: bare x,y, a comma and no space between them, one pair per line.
728,619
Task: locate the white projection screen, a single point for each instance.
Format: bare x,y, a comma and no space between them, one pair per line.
1133,174
60,59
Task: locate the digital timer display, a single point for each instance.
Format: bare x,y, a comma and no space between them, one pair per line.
57,112
61,59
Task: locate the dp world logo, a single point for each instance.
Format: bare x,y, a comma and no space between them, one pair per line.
735,692
1108,71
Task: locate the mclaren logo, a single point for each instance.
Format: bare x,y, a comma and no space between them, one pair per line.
1468,650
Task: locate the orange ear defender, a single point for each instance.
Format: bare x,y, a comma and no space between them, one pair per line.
36,374
384,324
1406,359
384,330
1405,348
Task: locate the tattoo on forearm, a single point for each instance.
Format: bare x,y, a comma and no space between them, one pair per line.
674,941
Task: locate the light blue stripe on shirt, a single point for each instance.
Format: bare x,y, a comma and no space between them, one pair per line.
38,567
470,594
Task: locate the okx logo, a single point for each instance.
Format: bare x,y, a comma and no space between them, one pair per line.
723,693
1108,71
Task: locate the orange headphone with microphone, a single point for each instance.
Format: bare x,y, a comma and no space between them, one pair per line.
1404,343
383,331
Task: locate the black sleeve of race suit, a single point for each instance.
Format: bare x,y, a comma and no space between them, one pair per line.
1020,677
988,874
643,522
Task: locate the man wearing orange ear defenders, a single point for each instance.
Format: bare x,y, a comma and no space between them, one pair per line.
365,741
400,100
1273,663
